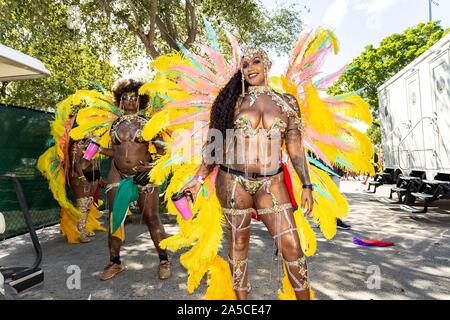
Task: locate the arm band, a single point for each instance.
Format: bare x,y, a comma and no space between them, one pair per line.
199,179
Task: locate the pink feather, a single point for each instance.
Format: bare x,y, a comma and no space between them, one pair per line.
308,61
329,140
209,70
339,118
331,78
187,136
236,52
218,61
197,75
203,62
331,102
295,52
212,182
317,151
198,116
197,100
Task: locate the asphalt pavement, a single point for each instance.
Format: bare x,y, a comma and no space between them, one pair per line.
416,268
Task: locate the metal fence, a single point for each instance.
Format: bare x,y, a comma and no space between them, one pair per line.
24,136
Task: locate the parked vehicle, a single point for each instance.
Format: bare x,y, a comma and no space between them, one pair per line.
414,110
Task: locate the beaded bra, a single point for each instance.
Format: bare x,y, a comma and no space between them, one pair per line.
279,126
137,135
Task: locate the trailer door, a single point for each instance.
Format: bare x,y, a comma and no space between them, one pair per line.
415,140
440,71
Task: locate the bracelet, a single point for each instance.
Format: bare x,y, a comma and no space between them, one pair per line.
307,186
199,179
82,178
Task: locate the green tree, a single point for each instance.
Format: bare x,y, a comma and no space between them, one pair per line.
40,29
78,39
153,27
376,65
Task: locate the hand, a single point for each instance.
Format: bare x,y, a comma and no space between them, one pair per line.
307,198
142,167
193,186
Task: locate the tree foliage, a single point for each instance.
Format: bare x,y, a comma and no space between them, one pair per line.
154,27
376,65
78,39
39,29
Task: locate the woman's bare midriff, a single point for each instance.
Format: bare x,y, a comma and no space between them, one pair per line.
128,155
254,155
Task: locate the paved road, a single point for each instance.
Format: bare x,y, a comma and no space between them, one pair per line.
417,267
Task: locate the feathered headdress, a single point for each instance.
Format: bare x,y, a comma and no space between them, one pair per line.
327,134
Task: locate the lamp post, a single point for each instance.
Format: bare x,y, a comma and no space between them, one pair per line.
430,5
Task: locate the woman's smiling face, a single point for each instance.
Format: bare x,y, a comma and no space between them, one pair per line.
254,72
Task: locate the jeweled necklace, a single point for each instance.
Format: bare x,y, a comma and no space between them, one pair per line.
256,91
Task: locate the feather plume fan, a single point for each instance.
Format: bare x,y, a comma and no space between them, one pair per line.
328,137
54,164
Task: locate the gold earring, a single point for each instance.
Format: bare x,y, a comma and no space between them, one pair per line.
137,102
266,75
243,83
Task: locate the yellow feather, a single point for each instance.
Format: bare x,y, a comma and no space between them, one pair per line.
355,108
56,184
320,117
220,285
289,293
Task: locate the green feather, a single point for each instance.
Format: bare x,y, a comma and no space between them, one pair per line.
320,166
213,43
320,191
187,54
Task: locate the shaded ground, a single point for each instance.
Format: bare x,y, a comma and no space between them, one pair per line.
417,267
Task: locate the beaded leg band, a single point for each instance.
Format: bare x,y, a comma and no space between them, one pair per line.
284,206
300,277
238,274
84,205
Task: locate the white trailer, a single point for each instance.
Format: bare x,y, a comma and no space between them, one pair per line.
414,110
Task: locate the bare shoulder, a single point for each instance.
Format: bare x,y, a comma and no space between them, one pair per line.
291,100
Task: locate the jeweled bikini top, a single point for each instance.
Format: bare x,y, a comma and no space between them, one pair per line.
137,135
279,126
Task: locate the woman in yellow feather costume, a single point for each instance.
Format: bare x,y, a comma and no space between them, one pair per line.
62,165
115,119
271,174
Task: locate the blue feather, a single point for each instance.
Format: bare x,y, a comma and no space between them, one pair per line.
341,97
343,162
321,166
99,125
320,191
213,43
97,85
187,54
176,159
54,165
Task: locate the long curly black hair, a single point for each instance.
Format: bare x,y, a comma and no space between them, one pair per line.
121,86
222,111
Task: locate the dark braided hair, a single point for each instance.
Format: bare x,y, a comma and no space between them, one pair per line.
222,112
